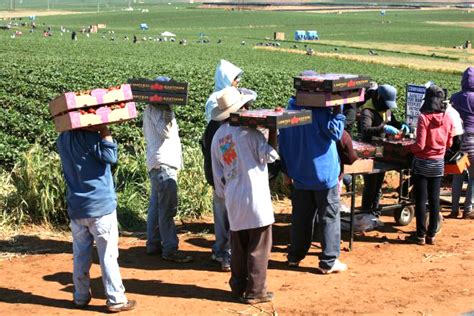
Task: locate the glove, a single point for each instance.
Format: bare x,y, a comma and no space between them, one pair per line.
405,129
388,129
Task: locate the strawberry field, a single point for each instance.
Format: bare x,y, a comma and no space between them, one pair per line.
34,69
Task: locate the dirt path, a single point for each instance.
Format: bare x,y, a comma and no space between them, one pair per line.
450,67
386,276
26,13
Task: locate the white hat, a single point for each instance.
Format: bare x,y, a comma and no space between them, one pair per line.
229,100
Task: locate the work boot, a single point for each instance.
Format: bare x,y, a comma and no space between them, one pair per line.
468,214
453,215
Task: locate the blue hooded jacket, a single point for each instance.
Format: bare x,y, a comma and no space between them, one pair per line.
308,152
86,160
226,72
463,101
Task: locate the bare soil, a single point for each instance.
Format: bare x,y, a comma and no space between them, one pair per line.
406,62
386,275
25,13
317,8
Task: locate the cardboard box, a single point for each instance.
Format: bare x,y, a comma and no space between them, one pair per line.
271,118
279,36
366,150
458,167
324,99
360,166
160,98
77,100
103,115
147,85
394,151
331,82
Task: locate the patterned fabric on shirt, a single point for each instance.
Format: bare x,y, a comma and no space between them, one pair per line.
428,167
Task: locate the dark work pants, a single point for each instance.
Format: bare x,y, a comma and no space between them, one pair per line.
372,191
426,189
305,205
250,251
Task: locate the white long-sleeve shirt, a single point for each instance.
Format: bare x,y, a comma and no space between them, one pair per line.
163,145
239,165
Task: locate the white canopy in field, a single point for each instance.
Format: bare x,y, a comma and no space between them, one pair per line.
167,34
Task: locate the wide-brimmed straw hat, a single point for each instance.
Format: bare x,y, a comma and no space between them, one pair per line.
229,100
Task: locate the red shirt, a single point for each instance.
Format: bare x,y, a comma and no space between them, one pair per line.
433,136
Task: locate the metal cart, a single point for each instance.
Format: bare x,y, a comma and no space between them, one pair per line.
404,210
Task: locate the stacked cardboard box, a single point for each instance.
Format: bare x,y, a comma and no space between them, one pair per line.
74,110
277,118
366,152
395,151
324,90
159,92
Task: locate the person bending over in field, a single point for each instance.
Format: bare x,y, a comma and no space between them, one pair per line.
239,164
163,159
86,157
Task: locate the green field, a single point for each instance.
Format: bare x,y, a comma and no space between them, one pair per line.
35,69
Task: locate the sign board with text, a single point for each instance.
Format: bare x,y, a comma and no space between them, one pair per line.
414,100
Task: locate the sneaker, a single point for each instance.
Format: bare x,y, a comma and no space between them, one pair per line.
413,239
468,215
177,256
430,240
338,266
122,307
82,303
225,264
293,263
257,300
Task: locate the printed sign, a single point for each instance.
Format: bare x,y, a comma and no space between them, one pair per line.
414,101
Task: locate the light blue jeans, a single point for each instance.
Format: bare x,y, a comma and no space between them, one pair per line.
221,247
104,230
161,230
307,204
458,180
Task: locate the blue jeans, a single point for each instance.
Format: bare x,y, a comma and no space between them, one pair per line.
104,230
221,247
456,185
458,180
305,205
161,230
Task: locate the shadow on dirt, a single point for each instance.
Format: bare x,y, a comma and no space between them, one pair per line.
32,245
147,287
13,296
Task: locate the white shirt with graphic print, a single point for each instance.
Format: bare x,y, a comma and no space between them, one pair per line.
239,164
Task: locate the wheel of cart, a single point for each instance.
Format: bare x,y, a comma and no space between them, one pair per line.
404,215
